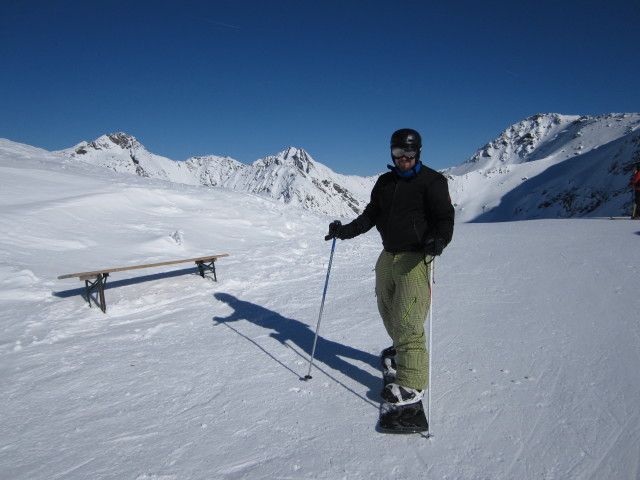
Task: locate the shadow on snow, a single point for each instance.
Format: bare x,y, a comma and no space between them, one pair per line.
288,331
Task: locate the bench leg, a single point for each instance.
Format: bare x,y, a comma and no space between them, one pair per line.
99,283
209,266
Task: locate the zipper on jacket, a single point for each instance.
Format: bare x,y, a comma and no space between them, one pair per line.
393,201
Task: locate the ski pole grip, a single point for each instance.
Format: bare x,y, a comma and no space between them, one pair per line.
334,228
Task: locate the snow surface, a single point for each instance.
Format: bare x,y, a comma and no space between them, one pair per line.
536,340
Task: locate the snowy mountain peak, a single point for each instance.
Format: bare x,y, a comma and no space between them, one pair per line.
546,135
121,153
124,141
550,166
111,141
291,157
519,141
293,177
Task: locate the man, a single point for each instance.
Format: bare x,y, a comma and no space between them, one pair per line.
635,183
411,208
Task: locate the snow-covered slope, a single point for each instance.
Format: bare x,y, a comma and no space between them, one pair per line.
534,362
550,166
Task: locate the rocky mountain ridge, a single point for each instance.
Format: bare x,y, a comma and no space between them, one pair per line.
291,176
546,166
550,166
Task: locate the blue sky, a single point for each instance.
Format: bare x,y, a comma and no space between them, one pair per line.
335,77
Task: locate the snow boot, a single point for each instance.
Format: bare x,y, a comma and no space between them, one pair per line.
388,358
402,411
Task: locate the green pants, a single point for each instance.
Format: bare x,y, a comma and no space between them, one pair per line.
402,290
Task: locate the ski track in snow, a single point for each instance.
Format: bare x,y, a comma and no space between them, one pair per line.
536,341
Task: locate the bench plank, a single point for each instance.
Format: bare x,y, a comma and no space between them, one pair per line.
135,267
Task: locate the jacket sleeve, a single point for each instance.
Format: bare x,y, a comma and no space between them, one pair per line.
441,214
366,220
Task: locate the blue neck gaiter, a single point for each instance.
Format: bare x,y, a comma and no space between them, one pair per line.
409,173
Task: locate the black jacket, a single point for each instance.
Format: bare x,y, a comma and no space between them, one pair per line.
408,211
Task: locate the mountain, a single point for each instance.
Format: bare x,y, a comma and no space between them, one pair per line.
550,166
291,176
546,166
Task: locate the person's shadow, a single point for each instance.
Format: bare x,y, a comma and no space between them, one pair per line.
327,352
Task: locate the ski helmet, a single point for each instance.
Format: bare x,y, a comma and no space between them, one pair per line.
407,136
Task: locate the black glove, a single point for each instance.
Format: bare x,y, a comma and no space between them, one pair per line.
334,229
434,246
343,232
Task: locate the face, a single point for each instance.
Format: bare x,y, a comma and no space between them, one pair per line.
405,164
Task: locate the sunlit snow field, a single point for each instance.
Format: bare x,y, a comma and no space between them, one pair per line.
536,340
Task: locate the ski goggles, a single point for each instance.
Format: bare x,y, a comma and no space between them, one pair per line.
409,151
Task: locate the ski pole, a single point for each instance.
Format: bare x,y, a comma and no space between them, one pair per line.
431,269
324,294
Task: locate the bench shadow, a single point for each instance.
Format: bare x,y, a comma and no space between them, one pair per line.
289,331
127,281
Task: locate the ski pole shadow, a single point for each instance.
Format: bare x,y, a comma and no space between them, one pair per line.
289,331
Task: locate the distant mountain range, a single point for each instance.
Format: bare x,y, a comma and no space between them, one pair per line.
547,166
291,176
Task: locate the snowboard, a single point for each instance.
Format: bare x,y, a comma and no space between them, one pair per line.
394,418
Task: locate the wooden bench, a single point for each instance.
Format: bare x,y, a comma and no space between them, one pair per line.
98,278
